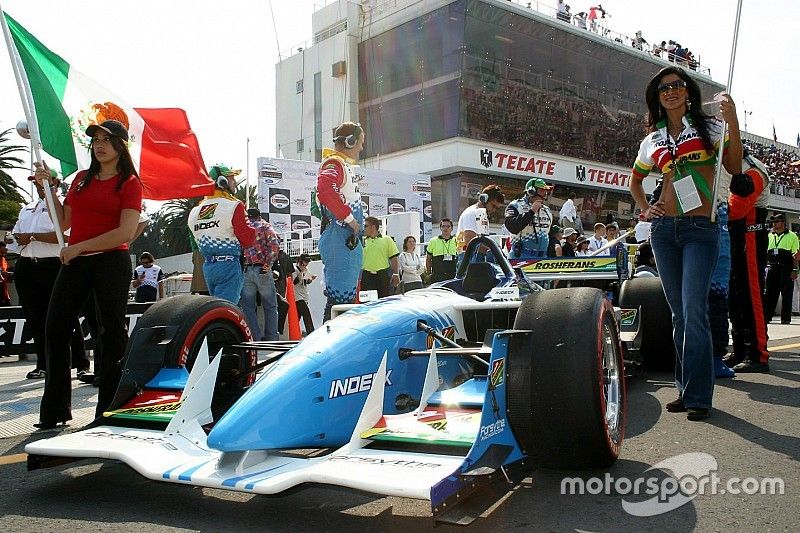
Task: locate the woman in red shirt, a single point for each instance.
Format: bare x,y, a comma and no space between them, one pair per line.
102,209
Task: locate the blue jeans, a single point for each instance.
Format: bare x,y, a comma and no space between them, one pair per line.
224,280
686,250
256,281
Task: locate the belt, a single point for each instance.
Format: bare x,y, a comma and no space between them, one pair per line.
220,258
378,272
41,259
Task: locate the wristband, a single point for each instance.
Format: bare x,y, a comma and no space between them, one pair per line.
395,274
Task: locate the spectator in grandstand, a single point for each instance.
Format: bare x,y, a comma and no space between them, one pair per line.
639,41
570,242
684,239
612,232
593,11
562,11
554,242
580,20
568,213
582,247
598,240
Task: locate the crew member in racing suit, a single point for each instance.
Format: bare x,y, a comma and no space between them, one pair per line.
530,220
220,229
749,232
342,216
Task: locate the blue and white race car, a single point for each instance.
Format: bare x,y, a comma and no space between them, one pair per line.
451,394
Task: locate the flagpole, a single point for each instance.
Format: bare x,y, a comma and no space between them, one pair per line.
724,124
30,111
247,175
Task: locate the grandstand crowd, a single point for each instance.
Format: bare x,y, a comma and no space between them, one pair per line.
783,166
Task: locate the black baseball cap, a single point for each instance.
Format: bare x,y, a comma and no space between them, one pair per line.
778,216
112,127
254,212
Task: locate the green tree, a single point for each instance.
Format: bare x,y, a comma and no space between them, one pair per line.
9,159
174,224
9,210
151,240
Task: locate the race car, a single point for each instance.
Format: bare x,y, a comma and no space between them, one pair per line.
450,394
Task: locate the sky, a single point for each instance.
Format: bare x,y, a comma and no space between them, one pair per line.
217,59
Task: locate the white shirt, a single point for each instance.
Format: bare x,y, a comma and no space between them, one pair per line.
595,243
411,267
35,218
466,222
152,275
301,287
568,211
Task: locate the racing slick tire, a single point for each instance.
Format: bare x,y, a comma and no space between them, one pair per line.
658,347
566,383
192,318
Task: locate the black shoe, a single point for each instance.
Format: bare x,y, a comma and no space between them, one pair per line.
789,323
697,413
36,374
732,359
96,381
752,367
676,406
42,426
84,376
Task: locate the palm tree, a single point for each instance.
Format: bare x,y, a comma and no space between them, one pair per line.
175,224
9,189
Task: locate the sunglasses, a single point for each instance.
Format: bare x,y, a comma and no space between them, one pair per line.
677,85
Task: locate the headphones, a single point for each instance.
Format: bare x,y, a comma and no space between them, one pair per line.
350,140
222,180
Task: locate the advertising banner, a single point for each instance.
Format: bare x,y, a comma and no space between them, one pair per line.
285,185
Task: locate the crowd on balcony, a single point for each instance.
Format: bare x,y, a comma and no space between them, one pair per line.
553,122
783,166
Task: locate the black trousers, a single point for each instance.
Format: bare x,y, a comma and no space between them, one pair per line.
379,281
108,274
778,280
746,297
305,313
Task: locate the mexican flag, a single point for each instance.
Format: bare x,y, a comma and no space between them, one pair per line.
163,146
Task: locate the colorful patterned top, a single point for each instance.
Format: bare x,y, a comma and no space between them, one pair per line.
266,246
659,151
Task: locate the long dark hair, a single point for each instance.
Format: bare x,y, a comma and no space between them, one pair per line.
656,113
125,166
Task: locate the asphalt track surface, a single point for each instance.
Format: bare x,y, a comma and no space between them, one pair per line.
754,432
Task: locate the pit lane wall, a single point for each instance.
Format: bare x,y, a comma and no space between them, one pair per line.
15,337
285,186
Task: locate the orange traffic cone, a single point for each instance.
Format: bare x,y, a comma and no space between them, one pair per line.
292,316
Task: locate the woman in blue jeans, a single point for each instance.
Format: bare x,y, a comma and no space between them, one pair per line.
682,145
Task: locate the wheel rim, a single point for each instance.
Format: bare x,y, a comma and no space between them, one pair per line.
612,384
218,336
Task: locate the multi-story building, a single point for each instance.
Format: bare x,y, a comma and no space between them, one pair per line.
476,91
